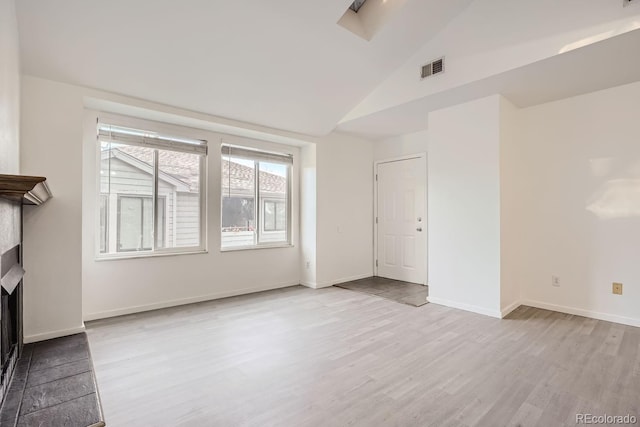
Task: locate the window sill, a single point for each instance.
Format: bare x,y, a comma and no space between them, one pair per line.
118,257
251,248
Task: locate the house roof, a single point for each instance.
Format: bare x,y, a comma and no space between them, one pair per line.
242,179
182,166
185,167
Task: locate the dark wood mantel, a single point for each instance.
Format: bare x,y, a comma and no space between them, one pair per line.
28,190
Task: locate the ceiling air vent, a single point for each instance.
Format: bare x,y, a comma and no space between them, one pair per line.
432,68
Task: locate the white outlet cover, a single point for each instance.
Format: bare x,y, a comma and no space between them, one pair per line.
555,281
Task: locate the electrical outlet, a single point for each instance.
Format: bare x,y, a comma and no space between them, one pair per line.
308,264
555,281
617,288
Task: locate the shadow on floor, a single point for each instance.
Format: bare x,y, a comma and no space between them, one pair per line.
394,290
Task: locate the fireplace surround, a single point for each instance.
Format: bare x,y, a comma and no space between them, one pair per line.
15,192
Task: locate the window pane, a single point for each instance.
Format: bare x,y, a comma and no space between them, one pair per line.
238,202
281,216
126,176
162,221
134,227
147,223
178,199
273,195
269,216
104,229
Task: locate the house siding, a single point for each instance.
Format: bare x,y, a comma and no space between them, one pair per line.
182,211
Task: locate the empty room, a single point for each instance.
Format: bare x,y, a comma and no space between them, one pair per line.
334,213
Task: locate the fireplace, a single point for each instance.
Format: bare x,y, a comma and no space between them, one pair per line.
10,314
15,191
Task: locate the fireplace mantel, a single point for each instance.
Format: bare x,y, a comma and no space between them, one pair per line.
28,190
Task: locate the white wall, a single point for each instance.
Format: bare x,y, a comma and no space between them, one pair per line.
9,119
494,36
579,180
308,217
63,275
9,89
511,222
122,286
464,206
402,145
344,209
51,146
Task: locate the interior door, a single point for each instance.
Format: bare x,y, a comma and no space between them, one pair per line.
401,220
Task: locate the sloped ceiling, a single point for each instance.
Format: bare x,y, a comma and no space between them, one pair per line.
533,52
284,64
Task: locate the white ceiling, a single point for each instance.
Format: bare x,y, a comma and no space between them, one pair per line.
285,64
604,64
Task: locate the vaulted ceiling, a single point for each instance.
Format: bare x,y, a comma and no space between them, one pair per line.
288,65
285,64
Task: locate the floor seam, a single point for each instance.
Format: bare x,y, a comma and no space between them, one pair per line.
24,387
58,379
57,366
53,406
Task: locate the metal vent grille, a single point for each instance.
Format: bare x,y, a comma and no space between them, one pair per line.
426,71
432,68
437,66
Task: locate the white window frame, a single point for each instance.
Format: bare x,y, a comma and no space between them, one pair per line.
259,207
172,131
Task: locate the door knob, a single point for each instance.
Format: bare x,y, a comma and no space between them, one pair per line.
419,229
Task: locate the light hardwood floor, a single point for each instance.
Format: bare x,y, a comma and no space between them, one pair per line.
333,357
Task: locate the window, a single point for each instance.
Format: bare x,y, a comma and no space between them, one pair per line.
256,204
151,193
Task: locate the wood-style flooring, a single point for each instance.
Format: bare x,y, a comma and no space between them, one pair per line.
332,357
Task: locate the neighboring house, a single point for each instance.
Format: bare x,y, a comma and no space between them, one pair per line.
238,221
126,211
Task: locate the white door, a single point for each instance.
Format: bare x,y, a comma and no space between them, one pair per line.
401,220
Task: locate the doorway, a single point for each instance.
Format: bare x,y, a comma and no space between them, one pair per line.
400,235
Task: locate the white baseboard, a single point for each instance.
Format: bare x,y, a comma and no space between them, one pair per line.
55,334
342,280
585,313
466,307
323,285
508,309
182,301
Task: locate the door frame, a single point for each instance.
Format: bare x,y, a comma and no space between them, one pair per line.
423,156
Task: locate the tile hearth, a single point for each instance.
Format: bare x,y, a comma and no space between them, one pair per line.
54,385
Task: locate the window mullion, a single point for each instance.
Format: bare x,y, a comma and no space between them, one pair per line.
288,213
156,157
256,204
